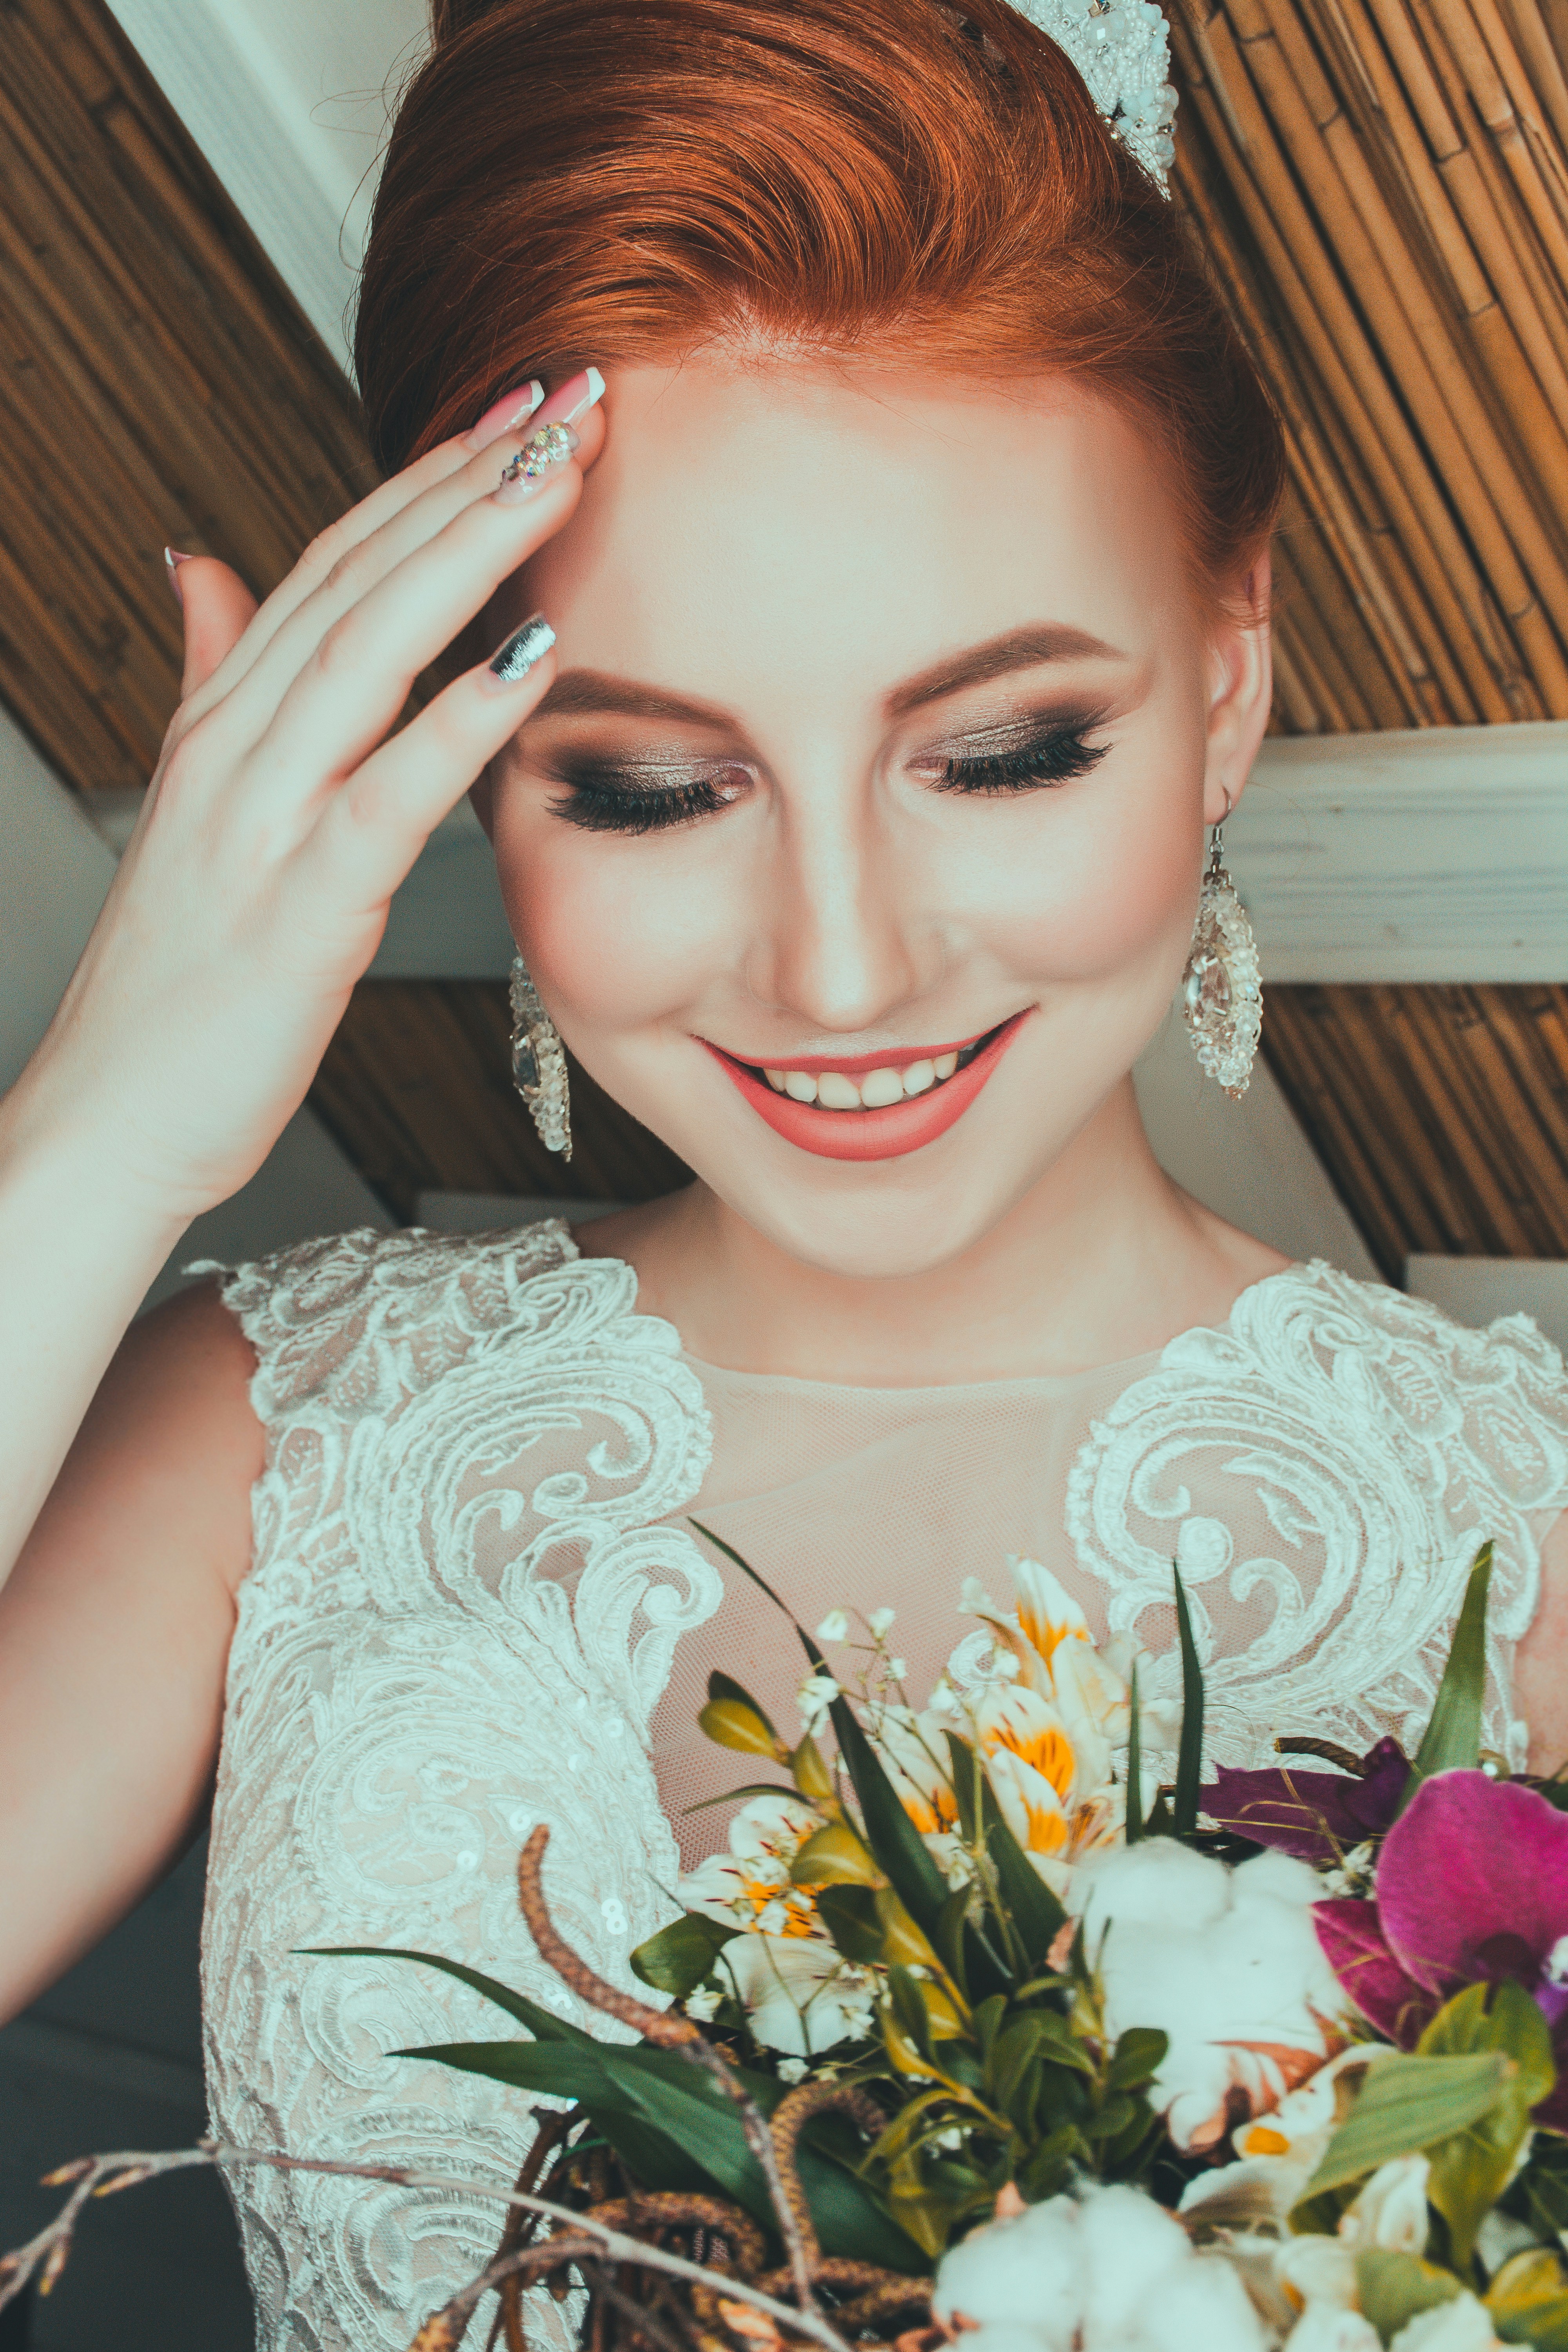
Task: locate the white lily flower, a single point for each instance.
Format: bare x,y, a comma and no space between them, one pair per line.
798,1995
1391,2213
835,1626
737,1888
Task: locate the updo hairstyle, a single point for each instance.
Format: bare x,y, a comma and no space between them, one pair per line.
893,181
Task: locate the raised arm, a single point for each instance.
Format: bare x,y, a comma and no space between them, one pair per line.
251,898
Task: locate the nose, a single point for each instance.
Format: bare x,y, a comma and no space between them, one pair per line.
845,933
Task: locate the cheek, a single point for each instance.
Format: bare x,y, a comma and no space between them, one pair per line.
615,933
1081,890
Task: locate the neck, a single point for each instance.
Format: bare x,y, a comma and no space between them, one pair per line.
1105,1258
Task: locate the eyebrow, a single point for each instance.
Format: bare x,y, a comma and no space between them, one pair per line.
580,691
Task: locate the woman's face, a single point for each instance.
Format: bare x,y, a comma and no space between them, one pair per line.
886,732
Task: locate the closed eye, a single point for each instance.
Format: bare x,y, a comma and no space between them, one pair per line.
611,800
1054,758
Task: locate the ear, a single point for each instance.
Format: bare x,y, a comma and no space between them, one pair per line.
1241,692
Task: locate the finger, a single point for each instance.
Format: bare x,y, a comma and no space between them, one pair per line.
409,493
372,830
218,608
337,697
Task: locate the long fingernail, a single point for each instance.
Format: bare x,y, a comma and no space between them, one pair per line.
516,654
575,399
542,455
505,415
173,559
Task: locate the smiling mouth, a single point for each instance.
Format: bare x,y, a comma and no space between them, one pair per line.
853,1089
869,1106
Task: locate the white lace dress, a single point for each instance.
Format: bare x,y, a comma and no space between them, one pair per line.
474,1603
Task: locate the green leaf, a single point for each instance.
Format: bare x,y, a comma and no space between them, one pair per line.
1137,2058
1033,1910
541,2022
1392,2288
1540,2195
1452,1740
1471,2170
849,1915
1405,2104
1528,2301
910,2011
736,1796
952,1943
890,1832
1134,1830
1189,1753
678,1959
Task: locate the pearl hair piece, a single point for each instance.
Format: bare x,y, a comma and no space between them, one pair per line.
1122,50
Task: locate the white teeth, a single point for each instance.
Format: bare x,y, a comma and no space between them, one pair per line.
878,1090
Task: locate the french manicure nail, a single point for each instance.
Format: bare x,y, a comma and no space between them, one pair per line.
173,559
543,453
516,654
503,415
574,398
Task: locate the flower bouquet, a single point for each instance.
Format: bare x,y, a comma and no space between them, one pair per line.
984,2027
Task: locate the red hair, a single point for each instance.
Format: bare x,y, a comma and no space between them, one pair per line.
623,180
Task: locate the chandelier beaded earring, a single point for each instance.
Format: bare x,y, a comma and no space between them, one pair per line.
539,1063
1222,988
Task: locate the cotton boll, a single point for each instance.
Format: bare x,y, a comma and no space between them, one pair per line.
1009,2335
1129,2245
1324,2330
1150,1884
1461,2326
1280,1875
1200,2307
1026,2273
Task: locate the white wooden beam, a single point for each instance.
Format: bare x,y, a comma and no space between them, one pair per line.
1440,854
289,101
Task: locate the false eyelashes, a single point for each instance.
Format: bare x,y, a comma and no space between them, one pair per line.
603,799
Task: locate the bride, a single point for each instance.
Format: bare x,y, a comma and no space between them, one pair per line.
873,655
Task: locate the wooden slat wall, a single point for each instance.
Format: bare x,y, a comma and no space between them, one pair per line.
157,384
416,1087
1382,189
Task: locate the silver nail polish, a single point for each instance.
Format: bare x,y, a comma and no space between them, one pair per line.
516,655
540,454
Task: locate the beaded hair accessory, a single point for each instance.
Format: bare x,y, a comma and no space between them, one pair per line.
1122,50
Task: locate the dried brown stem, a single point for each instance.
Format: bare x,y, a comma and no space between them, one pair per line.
45,2253
790,2117
668,2031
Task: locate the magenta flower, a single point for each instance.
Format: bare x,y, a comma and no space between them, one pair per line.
1319,1817
1472,1888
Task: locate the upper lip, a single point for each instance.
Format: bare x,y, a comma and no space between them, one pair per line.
854,1065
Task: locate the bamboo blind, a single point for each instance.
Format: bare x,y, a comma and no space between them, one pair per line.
1381,188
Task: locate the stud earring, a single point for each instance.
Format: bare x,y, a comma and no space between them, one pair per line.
1222,988
539,1063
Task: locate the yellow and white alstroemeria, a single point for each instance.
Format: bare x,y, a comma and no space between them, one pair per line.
750,1887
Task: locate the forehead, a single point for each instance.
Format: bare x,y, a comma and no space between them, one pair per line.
754,531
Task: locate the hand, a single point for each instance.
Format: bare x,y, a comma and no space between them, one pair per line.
254,891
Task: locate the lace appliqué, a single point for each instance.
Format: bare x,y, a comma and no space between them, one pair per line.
1363,1446
460,1613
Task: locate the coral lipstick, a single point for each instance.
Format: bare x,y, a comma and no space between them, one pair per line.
883,1134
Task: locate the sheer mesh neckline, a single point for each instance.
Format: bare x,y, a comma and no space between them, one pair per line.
1037,1384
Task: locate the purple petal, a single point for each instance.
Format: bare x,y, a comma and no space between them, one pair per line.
1475,1870
1319,1817
1351,1934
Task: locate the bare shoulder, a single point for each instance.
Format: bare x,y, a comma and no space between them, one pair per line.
171,1446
